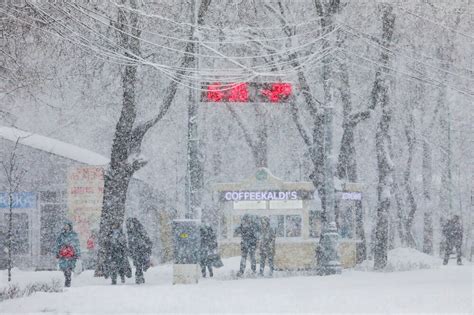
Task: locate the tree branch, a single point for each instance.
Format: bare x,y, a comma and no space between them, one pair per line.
247,136
139,132
299,126
360,116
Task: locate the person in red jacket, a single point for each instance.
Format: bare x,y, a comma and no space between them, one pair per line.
68,251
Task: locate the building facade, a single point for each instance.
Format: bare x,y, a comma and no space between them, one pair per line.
42,202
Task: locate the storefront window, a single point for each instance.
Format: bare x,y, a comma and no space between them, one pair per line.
53,215
346,223
284,225
223,227
278,223
20,231
293,226
314,224
235,225
52,220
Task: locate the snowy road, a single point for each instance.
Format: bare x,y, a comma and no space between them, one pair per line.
447,289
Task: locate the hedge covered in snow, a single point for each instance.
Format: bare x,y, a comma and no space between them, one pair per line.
15,290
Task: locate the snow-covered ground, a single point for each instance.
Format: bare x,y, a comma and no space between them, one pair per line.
442,289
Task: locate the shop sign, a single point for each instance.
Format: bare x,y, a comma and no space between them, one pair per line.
351,196
21,200
243,195
85,197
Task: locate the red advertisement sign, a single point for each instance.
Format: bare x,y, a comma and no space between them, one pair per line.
247,92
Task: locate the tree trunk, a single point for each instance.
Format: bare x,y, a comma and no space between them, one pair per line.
446,194
127,141
347,162
117,177
10,234
428,213
347,159
400,211
380,96
410,135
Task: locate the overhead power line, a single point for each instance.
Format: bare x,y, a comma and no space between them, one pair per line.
436,83
436,23
187,40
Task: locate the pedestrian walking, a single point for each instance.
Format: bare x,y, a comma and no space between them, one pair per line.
139,247
248,229
453,233
116,261
90,261
208,251
267,245
68,251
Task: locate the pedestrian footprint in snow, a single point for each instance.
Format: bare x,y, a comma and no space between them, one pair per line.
68,251
116,261
453,232
139,246
248,229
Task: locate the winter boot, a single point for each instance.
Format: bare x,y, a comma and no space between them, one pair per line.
67,275
446,259
139,280
211,274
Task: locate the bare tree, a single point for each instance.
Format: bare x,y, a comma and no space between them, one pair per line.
125,156
14,175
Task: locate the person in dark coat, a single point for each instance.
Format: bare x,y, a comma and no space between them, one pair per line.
68,251
116,261
208,250
139,247
248,229
453,233
267,245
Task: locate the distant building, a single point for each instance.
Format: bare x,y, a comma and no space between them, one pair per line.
40,205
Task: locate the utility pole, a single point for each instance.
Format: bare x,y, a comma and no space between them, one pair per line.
194,173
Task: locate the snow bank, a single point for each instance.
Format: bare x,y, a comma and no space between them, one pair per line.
26,283
404,259
447,289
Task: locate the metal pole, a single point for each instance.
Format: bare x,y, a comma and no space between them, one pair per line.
193,166
329,263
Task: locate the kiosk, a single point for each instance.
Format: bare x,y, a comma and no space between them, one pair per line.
186,244
294,209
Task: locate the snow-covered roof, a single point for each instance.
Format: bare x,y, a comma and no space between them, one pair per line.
53,146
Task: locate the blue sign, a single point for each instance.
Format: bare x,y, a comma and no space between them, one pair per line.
21,200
